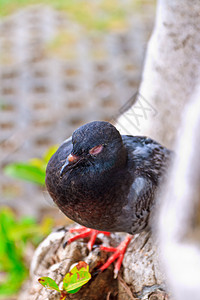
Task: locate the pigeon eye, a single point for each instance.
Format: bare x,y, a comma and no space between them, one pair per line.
96,150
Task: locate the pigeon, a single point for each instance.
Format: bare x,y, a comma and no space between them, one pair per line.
107,182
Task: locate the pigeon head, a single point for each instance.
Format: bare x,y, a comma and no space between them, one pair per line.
97,143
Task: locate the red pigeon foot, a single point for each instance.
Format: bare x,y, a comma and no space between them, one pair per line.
118,254
85,232
92,233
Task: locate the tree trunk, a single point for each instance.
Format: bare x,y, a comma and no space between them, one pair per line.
171,72
179,219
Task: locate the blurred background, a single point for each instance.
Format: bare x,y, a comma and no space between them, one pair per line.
62,64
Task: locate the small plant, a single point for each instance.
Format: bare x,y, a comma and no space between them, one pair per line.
33,170
72,282
16,236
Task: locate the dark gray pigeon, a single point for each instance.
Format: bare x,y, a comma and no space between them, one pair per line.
107,181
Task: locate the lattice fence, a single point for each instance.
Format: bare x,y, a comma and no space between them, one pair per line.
45,96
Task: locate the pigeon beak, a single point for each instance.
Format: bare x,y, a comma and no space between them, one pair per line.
71,159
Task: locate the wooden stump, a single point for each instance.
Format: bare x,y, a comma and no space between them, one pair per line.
140,277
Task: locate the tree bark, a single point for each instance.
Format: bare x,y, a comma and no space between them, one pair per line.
171,72
141,277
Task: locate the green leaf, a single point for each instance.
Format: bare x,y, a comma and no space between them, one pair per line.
46,225
78,276
74,291
72,282
37,162
80,266
15,235
49,283
26,171
12,267
48,154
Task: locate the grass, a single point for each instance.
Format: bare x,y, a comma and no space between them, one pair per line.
16,235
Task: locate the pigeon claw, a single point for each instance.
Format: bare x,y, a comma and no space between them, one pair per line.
119,251
117,255
84,232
